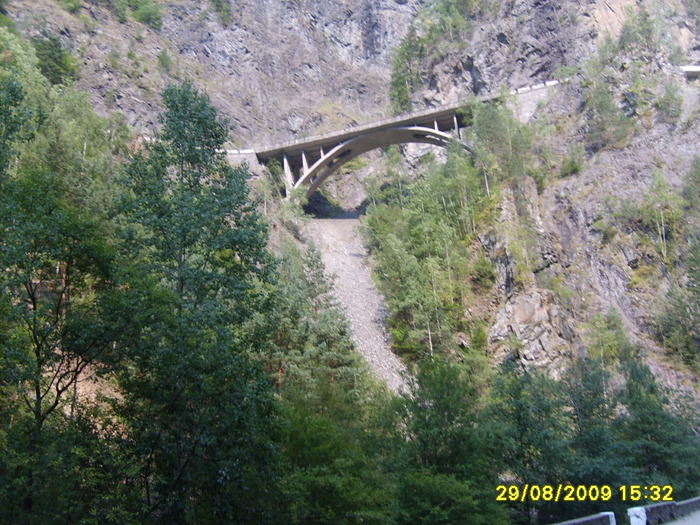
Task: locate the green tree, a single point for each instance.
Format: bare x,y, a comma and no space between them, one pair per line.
404,73
78,146
311,335
57,266
223,10
503,145
333,470
607,125
197,409
15,122
678,324
533,411
662,442
599,456
147,12
55,61
449,459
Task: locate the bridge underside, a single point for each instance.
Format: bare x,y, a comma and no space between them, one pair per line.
313,176
310,163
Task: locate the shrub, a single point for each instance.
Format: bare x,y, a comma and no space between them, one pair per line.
150,14
638,31
223,10
573,162
165,61
483,275
119,8
72,6
669,104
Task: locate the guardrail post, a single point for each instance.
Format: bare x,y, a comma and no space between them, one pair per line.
611,517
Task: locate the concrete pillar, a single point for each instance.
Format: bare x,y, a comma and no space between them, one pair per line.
288,176
456,125
435,124
304,163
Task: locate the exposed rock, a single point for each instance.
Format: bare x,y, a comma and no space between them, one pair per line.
274,59
528,326
524,44
288,69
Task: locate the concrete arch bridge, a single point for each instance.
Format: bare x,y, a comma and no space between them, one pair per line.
310,161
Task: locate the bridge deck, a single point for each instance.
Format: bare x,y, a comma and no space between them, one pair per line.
312,146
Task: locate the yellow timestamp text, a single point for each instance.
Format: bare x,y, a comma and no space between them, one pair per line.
568,492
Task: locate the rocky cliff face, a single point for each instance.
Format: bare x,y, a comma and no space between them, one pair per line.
527,41
522,44
278,69
541,311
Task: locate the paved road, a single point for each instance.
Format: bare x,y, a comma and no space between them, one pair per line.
345,256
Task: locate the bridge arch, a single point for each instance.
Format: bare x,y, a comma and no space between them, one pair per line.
344,152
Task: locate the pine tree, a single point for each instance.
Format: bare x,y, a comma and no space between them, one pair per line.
663,445
532,409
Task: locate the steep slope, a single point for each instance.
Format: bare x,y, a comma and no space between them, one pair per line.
278,69
345,258
581,260
282,70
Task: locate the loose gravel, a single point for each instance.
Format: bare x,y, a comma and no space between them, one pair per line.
345,258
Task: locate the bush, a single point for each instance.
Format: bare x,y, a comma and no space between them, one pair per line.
483,275
119,8
638,31
669,105
165,61
223,10
149,14
573,162
72,6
